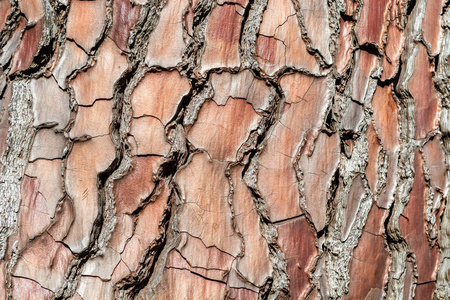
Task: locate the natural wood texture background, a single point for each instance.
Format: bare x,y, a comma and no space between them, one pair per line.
241,149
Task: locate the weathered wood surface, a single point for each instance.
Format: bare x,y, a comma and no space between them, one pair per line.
211,149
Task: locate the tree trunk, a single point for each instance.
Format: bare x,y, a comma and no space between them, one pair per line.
241,149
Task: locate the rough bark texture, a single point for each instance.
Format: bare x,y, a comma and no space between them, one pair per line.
240,149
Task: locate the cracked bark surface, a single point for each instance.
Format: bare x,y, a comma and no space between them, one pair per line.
210,149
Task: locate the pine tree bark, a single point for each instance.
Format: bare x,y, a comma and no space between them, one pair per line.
212,149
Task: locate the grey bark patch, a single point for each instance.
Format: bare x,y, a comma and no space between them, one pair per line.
14,158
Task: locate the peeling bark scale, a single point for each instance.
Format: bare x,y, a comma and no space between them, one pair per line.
213,149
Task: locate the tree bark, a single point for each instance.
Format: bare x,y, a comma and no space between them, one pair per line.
241,149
